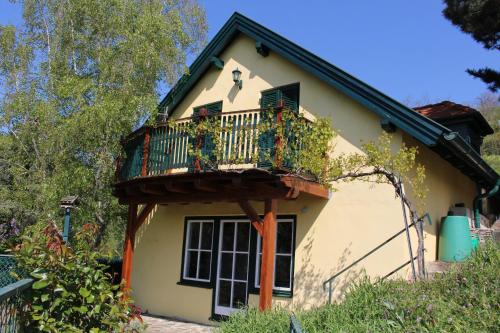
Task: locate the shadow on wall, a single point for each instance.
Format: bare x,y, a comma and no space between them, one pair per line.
309,279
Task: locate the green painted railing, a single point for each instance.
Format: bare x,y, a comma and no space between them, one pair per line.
13,306
12,292
7,265
164,148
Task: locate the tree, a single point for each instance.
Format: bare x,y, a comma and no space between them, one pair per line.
75,77
489,106
481,19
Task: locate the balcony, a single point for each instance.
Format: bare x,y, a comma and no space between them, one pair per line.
247,155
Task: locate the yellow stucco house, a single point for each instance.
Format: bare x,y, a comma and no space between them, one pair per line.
198,242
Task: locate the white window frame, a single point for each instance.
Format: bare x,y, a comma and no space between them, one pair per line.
198,250
258,255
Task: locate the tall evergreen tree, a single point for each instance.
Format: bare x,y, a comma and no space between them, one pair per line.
480,19
75,77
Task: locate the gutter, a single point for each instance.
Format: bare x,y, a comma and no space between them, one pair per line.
459,148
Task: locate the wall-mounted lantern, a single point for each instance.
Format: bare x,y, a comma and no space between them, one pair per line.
237,78
69,202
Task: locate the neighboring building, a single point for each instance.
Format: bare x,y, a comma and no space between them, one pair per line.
195,253
468,122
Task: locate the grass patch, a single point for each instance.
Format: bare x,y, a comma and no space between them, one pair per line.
466,299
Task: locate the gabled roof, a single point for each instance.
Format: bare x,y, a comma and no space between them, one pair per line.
448,112
448,144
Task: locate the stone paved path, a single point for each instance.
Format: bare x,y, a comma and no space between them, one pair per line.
163,325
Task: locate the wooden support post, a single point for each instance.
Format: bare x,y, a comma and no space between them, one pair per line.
128,248
268,251
145,153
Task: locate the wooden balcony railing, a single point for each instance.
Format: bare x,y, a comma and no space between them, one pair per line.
167,148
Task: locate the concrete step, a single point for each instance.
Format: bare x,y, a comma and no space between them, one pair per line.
438,267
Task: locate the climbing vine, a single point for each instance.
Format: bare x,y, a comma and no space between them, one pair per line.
286,142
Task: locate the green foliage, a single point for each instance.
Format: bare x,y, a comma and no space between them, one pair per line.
466,299
306,148
71,291
75,77
480,19
489,106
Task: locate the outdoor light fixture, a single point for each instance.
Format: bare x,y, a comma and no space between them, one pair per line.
69,202
237,78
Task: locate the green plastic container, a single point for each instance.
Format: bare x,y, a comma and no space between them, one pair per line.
455,242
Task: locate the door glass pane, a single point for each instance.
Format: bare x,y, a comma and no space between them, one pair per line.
242,236
239,294
192,261
226,265
284,238
282,271
224,293
241,266
194,234
228,237
206,236
205,262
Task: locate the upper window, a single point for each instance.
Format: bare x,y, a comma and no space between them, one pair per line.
281,97
283,261
198,250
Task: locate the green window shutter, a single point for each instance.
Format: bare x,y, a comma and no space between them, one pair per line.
270,99
208,144
288,97
288,94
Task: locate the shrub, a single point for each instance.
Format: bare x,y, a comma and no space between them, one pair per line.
9,235
465,299
71,292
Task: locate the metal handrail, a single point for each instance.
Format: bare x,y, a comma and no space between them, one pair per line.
13,306
14,289
354,263
398,268
295,326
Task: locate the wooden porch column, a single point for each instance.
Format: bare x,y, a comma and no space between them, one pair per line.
268,251
128,248
145,154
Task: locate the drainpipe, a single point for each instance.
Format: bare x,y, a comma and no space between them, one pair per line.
477,201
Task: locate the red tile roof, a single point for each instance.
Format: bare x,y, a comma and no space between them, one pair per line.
446,111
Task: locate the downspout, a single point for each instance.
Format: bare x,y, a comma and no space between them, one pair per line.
477,201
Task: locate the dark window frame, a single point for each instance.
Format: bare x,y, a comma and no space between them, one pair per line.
252,290
190,281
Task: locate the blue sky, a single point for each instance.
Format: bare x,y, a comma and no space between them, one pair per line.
405,49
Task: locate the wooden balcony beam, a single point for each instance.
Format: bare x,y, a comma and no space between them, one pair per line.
206,186
305,186
148,189
176,187
213,187
252,215
146,210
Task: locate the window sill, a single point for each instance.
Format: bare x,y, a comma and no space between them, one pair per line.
198,284
276,293
218,318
